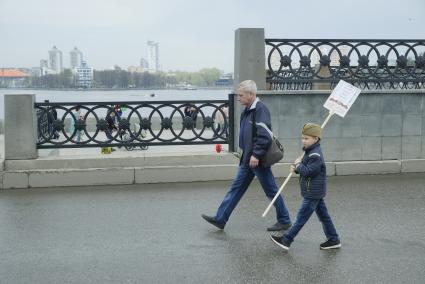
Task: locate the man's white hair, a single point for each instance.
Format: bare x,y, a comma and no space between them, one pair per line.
248,86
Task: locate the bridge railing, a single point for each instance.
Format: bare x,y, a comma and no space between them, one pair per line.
134,123
301,64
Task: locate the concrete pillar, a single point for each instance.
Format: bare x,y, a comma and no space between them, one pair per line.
250,58
20,127
250,64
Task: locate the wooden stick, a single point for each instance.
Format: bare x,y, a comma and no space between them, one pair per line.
327,119
290,174
277,195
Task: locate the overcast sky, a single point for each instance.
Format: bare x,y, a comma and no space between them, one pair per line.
192,34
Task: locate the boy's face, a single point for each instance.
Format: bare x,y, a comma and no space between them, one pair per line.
308,140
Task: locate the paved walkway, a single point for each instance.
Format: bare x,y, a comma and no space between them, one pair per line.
154,234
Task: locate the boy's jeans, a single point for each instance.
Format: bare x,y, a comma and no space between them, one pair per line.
307,208
239,186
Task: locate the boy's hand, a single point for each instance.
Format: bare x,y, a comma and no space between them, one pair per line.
292,168
298,160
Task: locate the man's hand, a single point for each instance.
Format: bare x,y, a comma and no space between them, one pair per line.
292,168
253,162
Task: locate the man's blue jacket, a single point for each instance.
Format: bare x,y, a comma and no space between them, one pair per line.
250,145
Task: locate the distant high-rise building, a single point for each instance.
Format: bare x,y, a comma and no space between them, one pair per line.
84,75
76,57
44,63
44,68
55,58
153,56
144,63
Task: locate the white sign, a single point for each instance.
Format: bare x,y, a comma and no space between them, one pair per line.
342,98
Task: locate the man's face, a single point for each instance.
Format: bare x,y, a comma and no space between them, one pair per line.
308,140
245,97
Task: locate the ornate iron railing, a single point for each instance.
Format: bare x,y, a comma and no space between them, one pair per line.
369,64
109,124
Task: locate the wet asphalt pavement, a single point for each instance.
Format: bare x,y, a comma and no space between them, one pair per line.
154,234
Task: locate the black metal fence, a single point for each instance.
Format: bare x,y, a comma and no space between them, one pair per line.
298,64
110,124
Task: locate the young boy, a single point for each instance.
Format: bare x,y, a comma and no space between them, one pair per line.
312,172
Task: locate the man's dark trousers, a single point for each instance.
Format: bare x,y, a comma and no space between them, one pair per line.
239,186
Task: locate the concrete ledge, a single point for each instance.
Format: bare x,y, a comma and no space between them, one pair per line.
15,180
280,170
190,159
49,178
185,174
121,161
330,169
413,166
367,167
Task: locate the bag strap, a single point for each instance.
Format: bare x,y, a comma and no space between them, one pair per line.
254,127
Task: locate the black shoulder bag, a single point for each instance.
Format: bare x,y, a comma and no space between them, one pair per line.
275,152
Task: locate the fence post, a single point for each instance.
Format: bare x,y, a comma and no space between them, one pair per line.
20,127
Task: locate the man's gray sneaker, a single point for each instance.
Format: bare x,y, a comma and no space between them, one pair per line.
279,227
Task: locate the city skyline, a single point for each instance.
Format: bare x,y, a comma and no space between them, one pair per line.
55,62
76,58
192,34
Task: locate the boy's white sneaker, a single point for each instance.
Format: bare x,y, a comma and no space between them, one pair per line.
280,242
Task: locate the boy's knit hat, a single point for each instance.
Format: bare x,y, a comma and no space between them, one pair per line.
312,129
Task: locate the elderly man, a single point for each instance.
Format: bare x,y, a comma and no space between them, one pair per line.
253,148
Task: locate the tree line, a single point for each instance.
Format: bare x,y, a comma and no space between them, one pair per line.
118,78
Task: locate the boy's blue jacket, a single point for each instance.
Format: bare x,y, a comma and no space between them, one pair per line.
312,170
263,130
